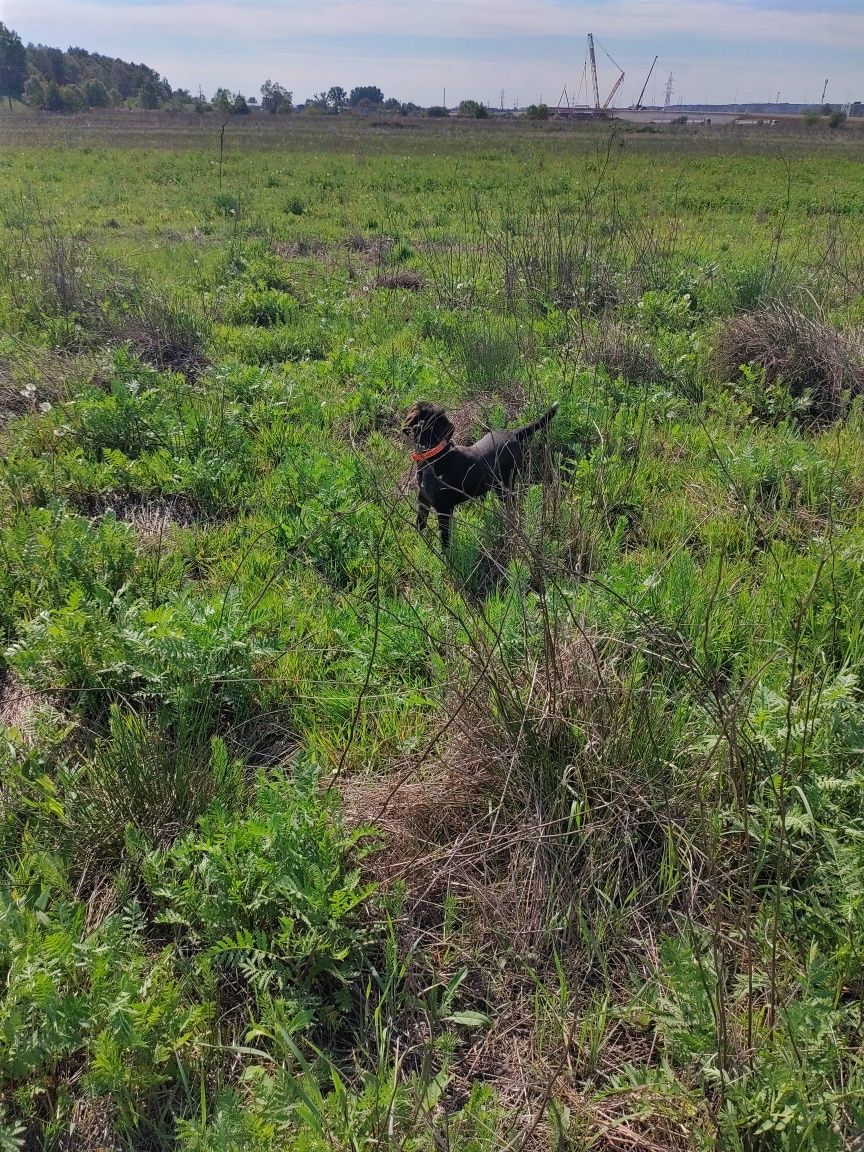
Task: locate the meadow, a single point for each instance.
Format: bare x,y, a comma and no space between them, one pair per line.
313,836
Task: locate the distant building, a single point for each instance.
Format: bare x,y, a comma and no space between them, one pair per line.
856,108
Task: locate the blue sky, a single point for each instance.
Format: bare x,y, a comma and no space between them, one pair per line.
717,50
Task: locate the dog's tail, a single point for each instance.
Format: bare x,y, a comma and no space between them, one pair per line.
528,431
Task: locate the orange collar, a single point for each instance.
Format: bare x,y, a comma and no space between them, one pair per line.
420,457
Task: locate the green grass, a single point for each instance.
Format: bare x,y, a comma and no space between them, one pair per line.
311,836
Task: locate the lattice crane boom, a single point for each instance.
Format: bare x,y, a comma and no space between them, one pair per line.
638,103
593,70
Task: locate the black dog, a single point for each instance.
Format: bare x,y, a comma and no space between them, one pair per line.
448,474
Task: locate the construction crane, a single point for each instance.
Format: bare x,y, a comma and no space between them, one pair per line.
598,106
593,70
638,103
616,85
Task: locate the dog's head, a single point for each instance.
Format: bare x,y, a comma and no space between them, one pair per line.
427,424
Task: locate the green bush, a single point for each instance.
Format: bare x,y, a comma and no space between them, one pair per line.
187,659
155,778
272,894
94,1000
260,306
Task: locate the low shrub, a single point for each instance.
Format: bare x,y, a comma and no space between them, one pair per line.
810,358
279,345
258,305
186,659
90,1009
271,894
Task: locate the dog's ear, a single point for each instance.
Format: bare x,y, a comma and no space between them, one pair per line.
413,417
427,423
439,425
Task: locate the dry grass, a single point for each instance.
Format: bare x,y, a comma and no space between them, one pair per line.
497,876
18,706
623,352
807,356
36,376
153,520
162,334
93,1127
298,249
400,278
372,248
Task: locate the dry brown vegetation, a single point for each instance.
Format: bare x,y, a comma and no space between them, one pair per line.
807,355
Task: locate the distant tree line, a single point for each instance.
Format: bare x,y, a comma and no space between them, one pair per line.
70,81
52,80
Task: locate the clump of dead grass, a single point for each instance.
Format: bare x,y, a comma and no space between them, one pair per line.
163,334
373,248
810,358
623,352
18,706
403,278
516,842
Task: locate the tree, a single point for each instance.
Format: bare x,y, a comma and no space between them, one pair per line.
370,92
239,106
96,94
473,109
275,98
336,98
13,64
50,63
73,97
437,112
54,101
149,95
538,112
836,119
222,100
34,92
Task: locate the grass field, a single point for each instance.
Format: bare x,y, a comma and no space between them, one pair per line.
314,837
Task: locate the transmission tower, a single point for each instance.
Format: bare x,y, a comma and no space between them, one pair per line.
669,91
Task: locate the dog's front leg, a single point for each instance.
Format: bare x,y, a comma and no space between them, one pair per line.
422,511
445,519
